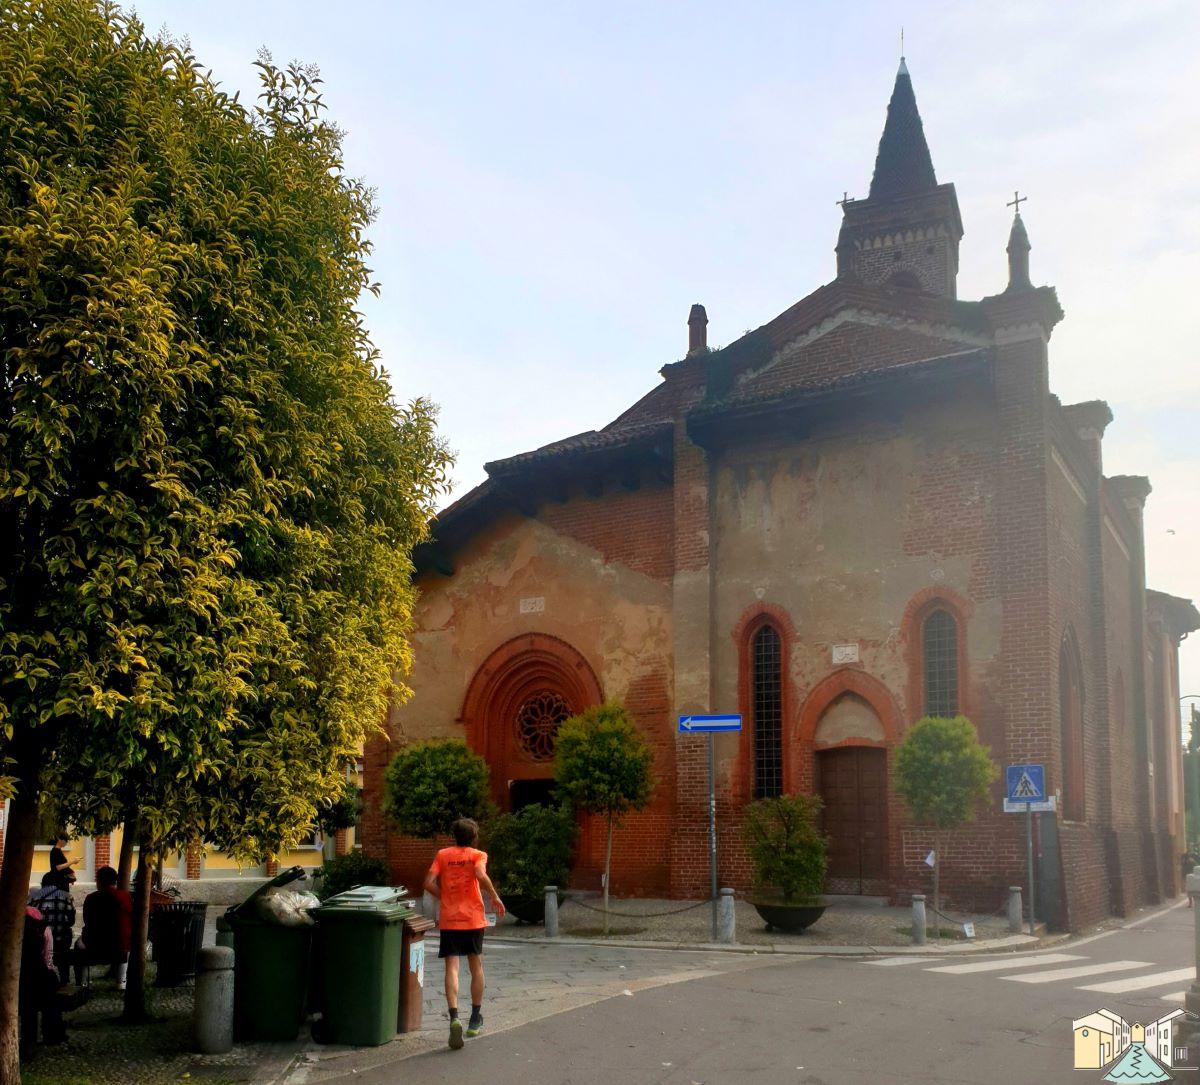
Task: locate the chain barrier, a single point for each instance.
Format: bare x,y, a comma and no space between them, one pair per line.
640,915
961,922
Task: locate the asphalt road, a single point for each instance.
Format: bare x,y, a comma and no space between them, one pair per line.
838,1021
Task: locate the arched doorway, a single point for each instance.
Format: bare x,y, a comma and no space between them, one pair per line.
514,705
852,782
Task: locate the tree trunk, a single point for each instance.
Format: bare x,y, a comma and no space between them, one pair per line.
607,869
937,887
135,977
14,891
125,863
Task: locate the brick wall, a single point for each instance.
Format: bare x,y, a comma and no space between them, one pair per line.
633,528
1085,874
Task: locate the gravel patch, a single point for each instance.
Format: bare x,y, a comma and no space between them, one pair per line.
845,923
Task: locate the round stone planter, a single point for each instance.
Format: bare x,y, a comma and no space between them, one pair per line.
527,909
789,918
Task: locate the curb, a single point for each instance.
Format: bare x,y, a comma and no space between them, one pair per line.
991,945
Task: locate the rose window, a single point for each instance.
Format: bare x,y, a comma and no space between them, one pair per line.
538,720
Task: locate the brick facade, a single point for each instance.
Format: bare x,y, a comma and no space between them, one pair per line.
872,455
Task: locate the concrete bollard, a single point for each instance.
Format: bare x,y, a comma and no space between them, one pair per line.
726,918
212,1013
918,919
551,922
1016,910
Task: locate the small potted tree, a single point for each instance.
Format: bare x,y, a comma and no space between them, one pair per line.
527,851
604,766
943,774
788,856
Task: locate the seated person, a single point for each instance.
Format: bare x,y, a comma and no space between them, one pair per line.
58,909
36,993
107,927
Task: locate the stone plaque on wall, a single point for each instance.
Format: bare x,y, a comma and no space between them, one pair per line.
534,605
845,653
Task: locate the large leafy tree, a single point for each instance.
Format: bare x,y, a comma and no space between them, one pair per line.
209,495
943,774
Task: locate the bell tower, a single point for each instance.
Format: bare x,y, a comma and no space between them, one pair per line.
905,234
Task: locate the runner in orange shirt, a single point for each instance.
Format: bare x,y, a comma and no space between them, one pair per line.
456,877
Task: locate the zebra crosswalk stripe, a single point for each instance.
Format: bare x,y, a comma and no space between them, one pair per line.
892,961
1077,972
1174,996
1140,983
1006,963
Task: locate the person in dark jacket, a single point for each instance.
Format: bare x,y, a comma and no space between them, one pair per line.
60,866
37,990
107,927
58,909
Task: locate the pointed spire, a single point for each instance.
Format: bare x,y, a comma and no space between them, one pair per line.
1018,252
903,165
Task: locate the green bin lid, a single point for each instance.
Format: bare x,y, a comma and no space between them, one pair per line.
388,903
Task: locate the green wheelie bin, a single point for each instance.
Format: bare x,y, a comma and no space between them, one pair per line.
270,971
357,957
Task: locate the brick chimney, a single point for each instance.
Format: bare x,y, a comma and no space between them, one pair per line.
697,331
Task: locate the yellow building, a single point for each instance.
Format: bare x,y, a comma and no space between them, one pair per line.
1099,1038
201,863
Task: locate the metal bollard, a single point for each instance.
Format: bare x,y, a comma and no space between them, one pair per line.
726,918
212,1013
551,924
1016,910
918,919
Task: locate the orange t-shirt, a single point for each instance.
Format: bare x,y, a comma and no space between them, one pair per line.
461,901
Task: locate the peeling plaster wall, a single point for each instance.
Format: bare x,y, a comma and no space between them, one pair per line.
617,618
824,530
842,531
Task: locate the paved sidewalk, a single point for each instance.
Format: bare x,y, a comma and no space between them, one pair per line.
525,983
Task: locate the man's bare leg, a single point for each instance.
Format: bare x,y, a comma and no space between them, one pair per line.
456,1028
475,1025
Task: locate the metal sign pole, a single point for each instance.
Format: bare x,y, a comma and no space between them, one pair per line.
1029,859
712,832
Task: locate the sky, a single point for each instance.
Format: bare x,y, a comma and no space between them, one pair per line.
559,182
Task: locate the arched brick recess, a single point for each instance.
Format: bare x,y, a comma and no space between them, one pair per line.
883,704
920,606
822,695
752,619
529,664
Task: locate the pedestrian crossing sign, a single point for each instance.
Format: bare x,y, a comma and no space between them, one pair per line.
1025,783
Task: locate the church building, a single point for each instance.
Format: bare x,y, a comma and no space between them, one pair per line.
870,509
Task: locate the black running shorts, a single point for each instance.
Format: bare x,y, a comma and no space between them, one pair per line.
461,943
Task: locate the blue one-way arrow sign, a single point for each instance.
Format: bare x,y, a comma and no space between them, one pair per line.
707,725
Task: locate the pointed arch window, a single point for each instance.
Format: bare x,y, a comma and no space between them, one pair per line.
767,707
1070,710
939,653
